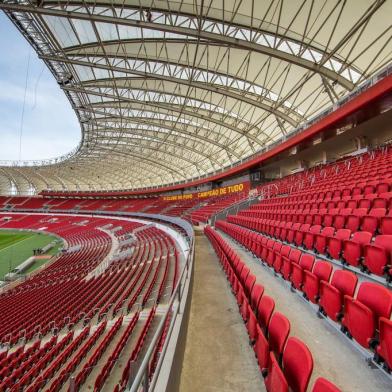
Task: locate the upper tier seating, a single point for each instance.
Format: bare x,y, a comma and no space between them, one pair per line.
341,211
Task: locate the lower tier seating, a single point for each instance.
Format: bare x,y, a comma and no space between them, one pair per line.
85,311
285,362
362,311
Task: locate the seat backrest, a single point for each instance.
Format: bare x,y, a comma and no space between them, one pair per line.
323,385
328,231
275,380
285,250
322,269
306,261
344,281
264,310
371,196
346,211
295,255
277,246
343,234
297,364
362,237
278,332
315,229
262,349
244,274
256,294
239,267
250,281
270,243
384,241
377,298
360,212
378,212
385,327
333,211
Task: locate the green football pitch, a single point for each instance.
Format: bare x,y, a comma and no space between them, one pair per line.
17,246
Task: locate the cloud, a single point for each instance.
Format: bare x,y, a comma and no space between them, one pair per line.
50,127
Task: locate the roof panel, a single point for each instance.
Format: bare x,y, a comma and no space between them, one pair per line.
169,90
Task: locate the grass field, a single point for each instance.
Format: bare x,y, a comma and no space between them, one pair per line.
17,246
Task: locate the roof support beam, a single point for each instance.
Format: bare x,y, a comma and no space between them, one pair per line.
91,109
268,108
204,35
187,135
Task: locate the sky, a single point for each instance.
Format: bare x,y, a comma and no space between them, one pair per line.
49,127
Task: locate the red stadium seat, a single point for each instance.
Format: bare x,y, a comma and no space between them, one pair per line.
261,349
322,239
301,233
353,248
310,236
252,324
371,222
384,349
293,257
323,385
264,311
386,224
275,380
280,257
335,243
354,221
257,293
305,264
332,294
278,332
361,314
378,255
297,365
321,271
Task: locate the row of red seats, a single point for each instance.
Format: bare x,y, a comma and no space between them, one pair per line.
285,362
85,300
361,171
62,358
71,366
374,221
104,373
364,317
354,248
27,378
121,386
98,352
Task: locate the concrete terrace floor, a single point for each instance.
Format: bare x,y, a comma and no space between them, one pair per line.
217,355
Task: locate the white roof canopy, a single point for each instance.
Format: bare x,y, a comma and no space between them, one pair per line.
167,91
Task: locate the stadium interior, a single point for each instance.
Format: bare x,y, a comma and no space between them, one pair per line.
225,222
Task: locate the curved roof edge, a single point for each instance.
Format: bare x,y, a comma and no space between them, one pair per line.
364,98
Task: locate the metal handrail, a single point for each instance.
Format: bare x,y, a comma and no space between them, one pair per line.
142,375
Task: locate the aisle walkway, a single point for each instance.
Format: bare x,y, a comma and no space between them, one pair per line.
217,354
334,357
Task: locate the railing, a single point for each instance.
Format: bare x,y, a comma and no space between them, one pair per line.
233,209
141,381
